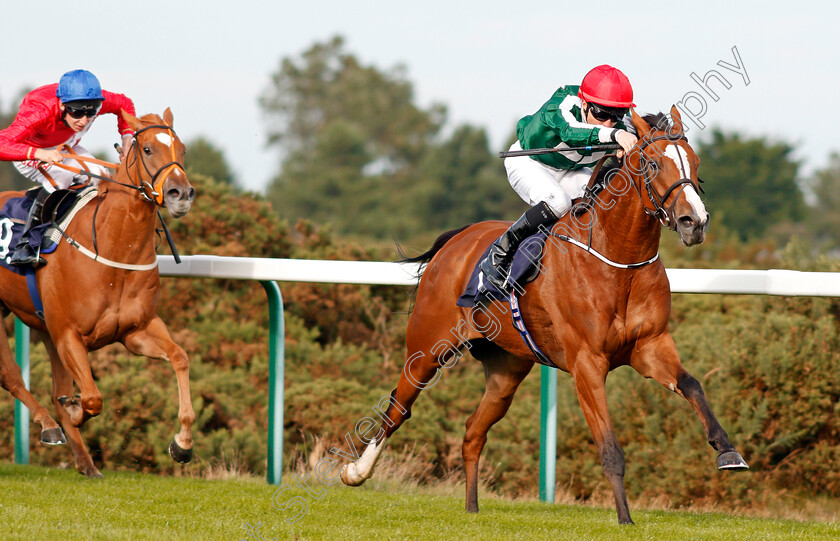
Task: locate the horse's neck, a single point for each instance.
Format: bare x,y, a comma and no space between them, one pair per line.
125,221
622,231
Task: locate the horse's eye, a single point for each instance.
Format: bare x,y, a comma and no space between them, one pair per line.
147,150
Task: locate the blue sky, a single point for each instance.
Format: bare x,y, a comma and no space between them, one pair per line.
489,62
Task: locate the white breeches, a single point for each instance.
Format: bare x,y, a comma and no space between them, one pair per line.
62,178
535,182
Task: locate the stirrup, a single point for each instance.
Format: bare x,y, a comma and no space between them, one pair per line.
32,258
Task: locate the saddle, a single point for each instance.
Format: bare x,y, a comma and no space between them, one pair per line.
58,208
56,205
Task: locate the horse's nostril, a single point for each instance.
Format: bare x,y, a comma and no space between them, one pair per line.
686,222
192,193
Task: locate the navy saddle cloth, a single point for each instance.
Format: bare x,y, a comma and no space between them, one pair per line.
12,220
524,268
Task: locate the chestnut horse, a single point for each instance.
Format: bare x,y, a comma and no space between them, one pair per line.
588,314
91,303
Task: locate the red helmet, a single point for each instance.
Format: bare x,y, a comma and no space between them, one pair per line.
606,85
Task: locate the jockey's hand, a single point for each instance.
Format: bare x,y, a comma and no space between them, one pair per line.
48,155
627,141
126,146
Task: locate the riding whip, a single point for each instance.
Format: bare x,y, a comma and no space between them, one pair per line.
535,151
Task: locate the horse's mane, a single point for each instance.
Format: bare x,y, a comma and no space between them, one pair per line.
657,121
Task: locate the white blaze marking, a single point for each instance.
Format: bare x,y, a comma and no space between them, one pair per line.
164,138
680,158
696,203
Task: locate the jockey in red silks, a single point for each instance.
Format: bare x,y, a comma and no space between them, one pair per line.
575,116
49,117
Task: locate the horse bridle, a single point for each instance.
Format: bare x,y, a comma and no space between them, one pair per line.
659,211
153,190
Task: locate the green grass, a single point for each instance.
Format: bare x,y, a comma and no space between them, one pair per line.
42,503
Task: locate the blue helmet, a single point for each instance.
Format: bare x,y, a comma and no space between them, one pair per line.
79,85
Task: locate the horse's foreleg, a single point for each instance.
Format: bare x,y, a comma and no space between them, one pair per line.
421,371
590,374
154,341
74,355
503,373
11,379
69,412
658,359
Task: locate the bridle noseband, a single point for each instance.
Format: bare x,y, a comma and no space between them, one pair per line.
153,190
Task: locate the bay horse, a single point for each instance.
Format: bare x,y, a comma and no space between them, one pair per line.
588,315
89,303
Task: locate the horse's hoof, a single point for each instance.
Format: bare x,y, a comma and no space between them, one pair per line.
178,454
350,476
732,460
73,407
53,436
92,473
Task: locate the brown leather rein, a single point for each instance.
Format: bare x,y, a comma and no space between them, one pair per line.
151,190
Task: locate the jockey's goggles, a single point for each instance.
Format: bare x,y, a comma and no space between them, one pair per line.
80,112
599,112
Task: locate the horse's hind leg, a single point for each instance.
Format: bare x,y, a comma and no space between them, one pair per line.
69,412
658,359
12,380
154,341
428,351
503,373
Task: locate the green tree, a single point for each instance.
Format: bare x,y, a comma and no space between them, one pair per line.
824,218
463,182
203,157
751,183
10,178
351,138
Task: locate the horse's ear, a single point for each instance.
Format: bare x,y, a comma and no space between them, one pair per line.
167,117
677,120
642,128
132,120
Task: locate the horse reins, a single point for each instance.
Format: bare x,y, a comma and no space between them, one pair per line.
658,211
150,190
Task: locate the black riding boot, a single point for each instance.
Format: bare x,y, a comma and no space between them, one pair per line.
496,266
24,253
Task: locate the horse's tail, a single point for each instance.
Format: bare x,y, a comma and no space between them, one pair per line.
427,256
